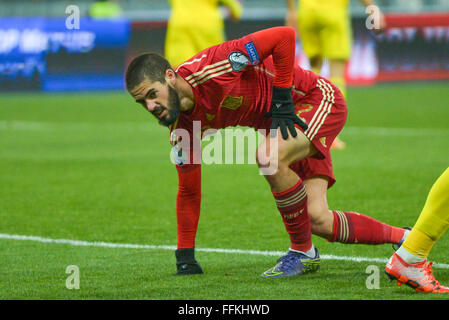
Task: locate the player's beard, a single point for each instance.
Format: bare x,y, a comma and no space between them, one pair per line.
173,108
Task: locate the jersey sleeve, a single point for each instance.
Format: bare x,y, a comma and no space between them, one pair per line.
277,42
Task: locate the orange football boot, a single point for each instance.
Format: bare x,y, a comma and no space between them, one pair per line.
418,275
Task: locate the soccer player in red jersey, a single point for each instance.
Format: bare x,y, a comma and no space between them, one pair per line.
253,81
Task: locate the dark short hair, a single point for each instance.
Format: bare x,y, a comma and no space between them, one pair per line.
149,66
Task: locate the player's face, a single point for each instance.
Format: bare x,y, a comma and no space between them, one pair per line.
159,99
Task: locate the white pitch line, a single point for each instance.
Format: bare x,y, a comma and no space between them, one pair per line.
167,247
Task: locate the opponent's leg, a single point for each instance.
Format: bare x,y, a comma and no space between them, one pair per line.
337,74
316,63
337,77
409,264
336,38
321,218
433,220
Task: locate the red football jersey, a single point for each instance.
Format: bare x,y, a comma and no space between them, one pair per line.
232,85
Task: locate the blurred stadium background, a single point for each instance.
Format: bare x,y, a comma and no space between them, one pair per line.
34,45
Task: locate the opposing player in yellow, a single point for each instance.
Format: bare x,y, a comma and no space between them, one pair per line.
195,25
325,31
409,263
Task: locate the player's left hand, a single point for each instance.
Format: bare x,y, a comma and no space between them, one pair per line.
283,113
186,263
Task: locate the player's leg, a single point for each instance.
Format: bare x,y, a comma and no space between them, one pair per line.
327,104
341,226
309,35
354,227
337,74
281,155
337,77
287,187
410,259
336,37
291,199
433,220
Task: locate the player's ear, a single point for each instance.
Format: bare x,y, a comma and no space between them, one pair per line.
170,76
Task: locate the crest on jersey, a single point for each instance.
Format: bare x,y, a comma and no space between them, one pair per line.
238,61
232,103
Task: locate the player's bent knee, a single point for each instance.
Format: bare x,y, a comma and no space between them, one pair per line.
283,153
263,159
278,167
295,149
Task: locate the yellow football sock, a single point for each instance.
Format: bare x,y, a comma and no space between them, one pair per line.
433,220
418,243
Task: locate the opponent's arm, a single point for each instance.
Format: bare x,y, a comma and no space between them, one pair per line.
280,43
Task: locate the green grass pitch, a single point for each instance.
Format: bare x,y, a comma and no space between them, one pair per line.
95,167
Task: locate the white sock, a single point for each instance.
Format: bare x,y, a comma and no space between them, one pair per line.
407,256
310,253
405,235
